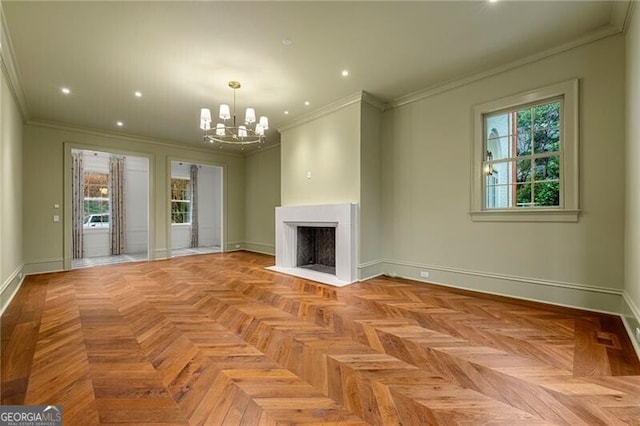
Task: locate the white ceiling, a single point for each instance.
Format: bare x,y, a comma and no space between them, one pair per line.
181,55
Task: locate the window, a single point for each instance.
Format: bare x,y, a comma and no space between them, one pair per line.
525,157
180,200
96,198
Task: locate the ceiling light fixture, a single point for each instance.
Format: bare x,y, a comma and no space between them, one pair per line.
119,123
345,73
252,131
306,103
138,94
65,90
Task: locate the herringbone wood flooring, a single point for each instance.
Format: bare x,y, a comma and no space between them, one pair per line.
217,339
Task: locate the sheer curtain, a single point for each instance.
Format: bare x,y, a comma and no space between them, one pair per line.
77,203
116,193
194,206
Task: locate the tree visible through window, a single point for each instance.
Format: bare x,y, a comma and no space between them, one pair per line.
180,200
522,163
96,193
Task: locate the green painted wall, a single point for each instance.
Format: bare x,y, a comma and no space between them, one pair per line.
262,196
47,245
11,217
427,184
328,147
632,156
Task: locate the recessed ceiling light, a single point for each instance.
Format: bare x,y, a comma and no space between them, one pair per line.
287,41
119,123
138,94
286,113
306,103
345,73
493,1
65,90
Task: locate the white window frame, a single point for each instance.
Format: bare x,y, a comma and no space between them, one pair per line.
179,201
568,210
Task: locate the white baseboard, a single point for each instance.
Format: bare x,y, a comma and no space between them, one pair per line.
631,319
41,266
162,253
599,299
234,246
10,287
260,248
371,269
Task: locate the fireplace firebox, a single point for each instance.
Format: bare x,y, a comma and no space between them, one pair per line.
316,248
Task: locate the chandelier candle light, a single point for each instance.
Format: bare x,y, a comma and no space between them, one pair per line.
250,132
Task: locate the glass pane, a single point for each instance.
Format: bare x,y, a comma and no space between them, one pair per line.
524,143
497,196
546,115
546,140
524,121
497,126
523,195
546,193
180,189
523,173
180,212
93,206
547,168
499,147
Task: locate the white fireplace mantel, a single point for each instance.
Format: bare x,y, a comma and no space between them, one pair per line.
341,216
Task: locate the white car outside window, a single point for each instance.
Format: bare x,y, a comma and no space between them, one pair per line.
96,221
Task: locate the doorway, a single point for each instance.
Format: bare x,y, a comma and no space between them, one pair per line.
110,198
196,208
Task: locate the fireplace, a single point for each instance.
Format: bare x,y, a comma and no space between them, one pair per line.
317,242
316,248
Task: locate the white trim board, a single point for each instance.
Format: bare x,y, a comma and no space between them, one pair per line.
581,296
11,287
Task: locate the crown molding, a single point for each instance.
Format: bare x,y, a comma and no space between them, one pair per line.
127,137
360,96
604,32
261,150
620,14
9,67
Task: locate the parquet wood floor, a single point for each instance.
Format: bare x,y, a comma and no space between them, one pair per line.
217,339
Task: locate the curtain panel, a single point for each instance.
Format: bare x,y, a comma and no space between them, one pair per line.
77,204
117,204
194,206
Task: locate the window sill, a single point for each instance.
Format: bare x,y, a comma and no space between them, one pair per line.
541,215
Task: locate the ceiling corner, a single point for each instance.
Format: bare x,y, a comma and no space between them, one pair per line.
620,12
9,68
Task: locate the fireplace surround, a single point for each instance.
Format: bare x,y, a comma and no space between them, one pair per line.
342,217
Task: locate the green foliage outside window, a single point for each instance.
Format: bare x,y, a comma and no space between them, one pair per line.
180,200
96,193
538,133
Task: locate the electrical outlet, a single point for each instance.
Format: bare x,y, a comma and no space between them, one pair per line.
424,274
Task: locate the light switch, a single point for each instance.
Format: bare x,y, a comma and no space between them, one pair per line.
56,206
56,218
308,175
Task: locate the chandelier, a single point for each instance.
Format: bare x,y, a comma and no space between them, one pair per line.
252,131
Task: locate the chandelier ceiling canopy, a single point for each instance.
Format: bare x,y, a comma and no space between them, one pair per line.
227,131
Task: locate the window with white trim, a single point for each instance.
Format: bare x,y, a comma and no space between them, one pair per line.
96,194
180,200
526,156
